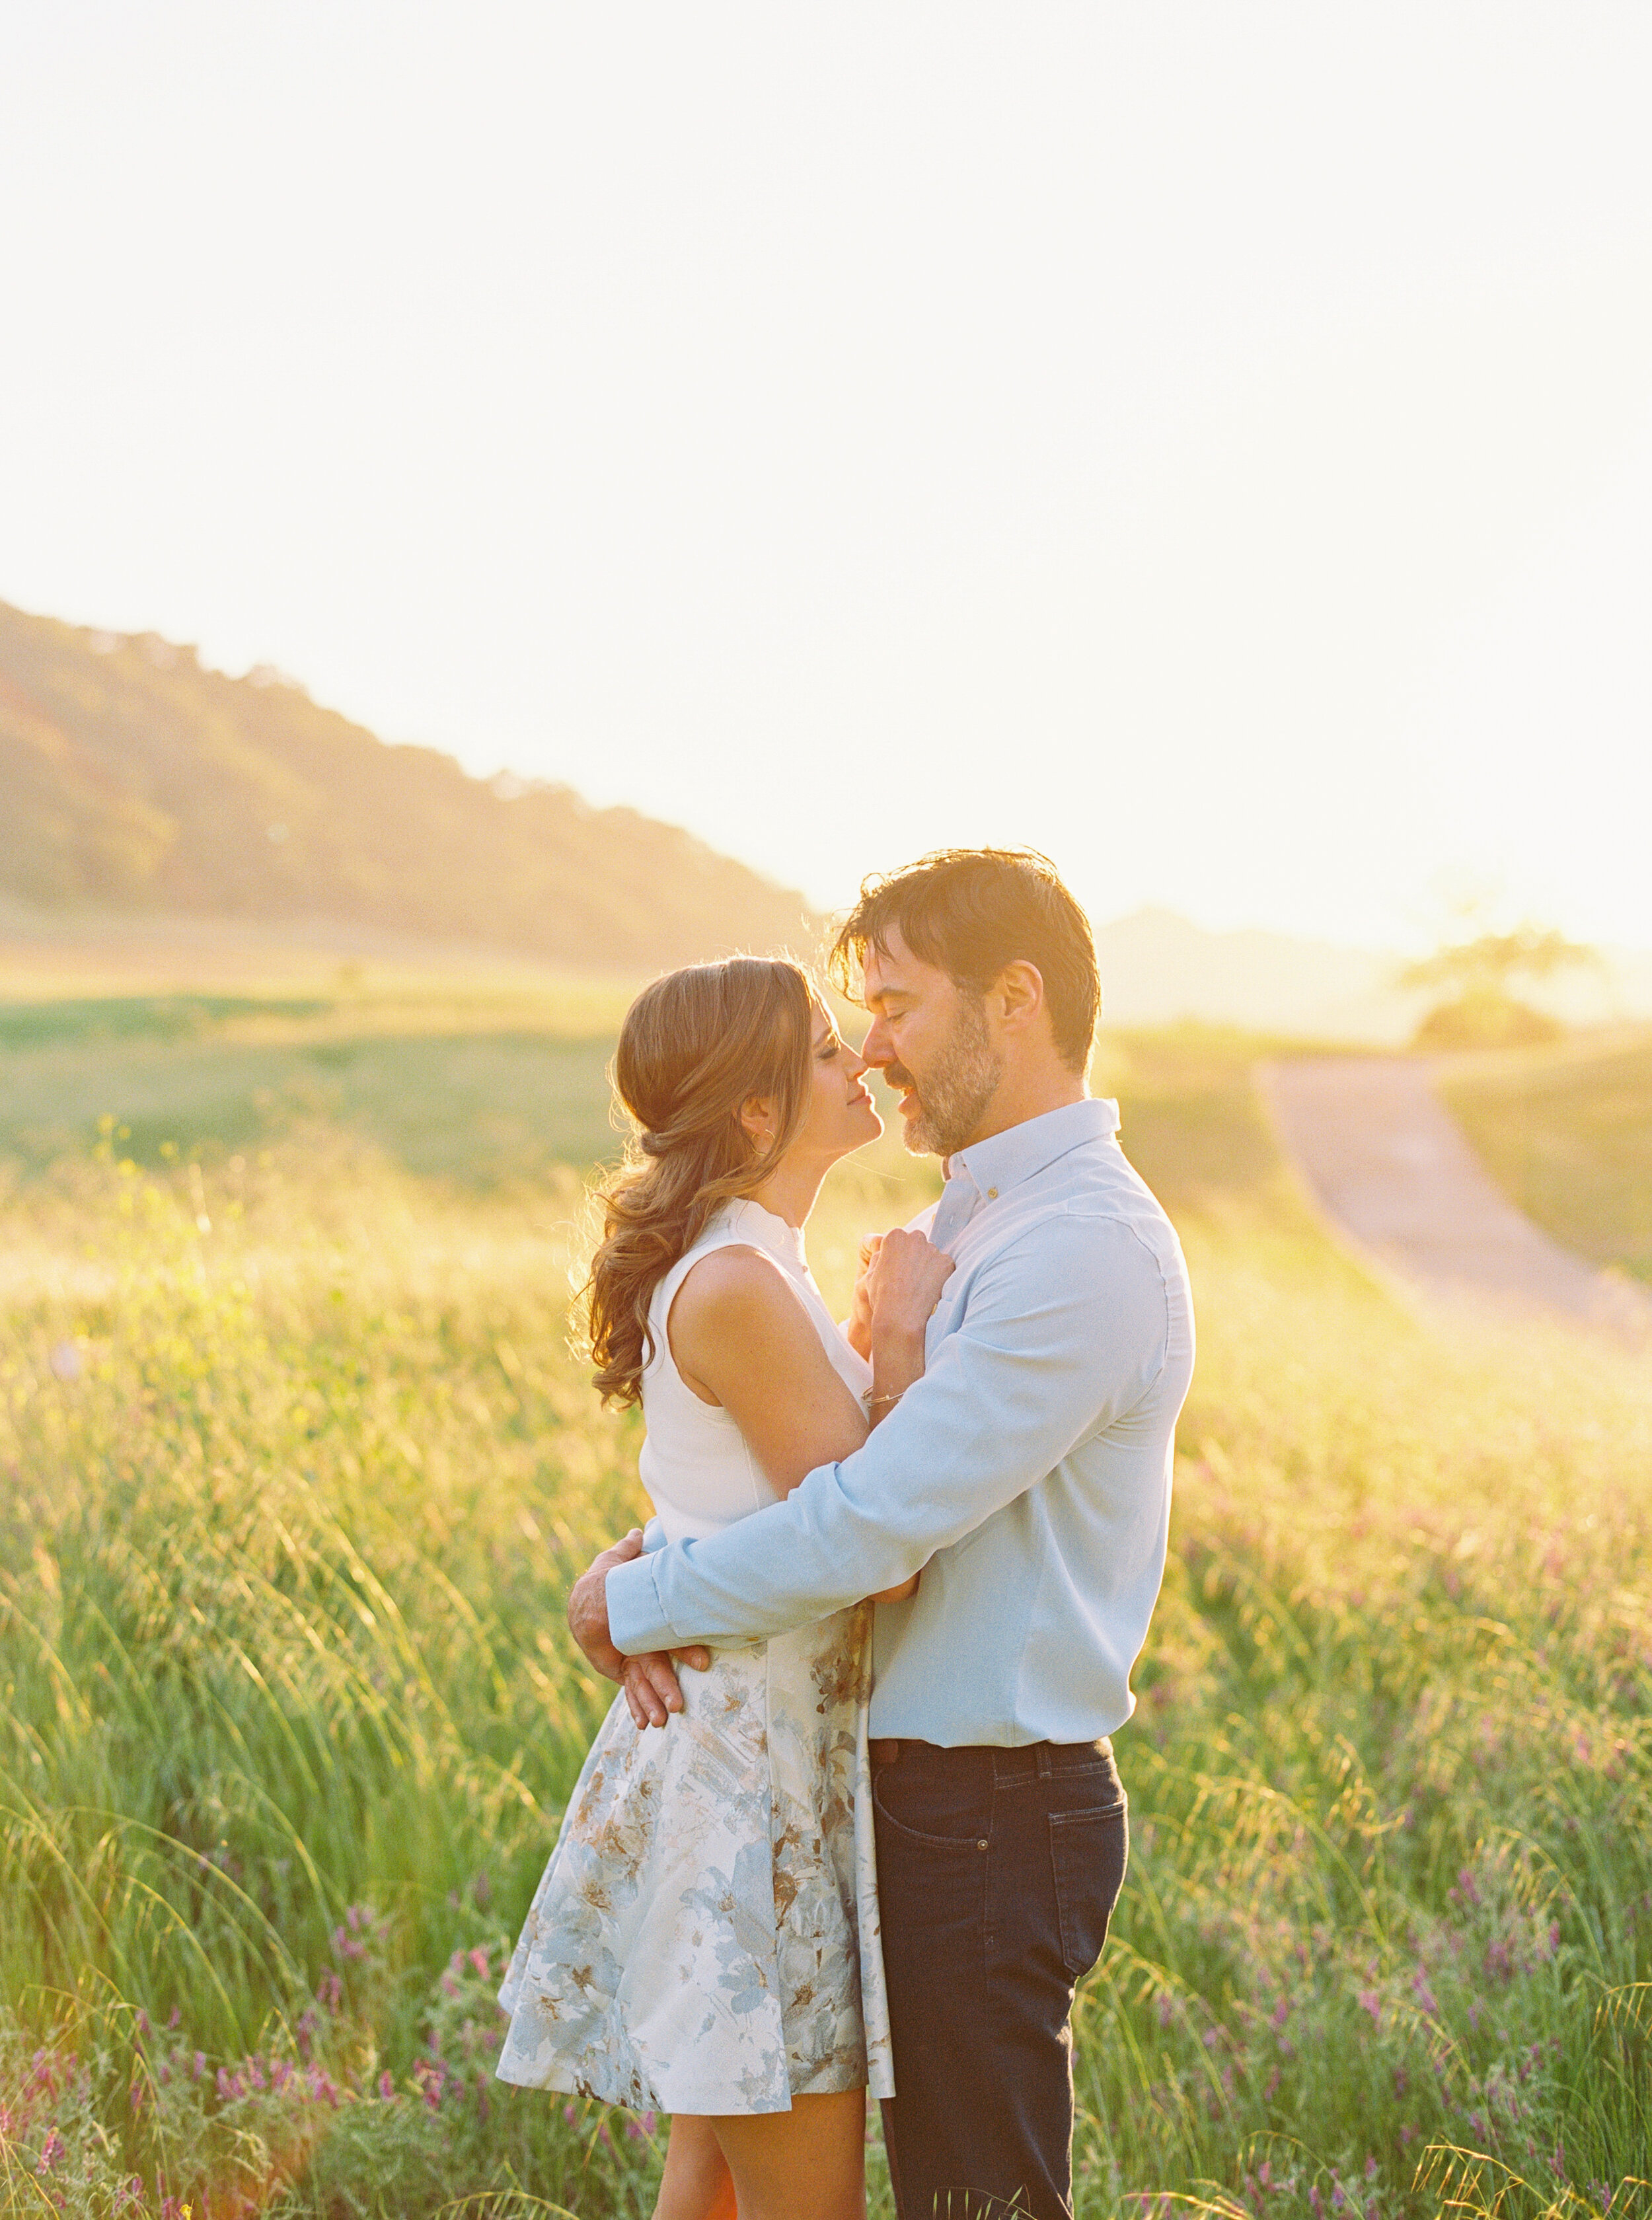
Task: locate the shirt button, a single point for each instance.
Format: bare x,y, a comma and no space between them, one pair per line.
982,1843
992,1195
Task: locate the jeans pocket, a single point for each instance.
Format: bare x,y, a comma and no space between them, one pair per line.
1088,1851
950,1821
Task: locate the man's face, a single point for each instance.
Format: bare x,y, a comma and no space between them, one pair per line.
930,1040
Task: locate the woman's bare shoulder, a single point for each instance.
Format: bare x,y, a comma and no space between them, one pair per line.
734,1283
739,1312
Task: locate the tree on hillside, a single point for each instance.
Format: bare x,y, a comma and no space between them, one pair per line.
1481,1010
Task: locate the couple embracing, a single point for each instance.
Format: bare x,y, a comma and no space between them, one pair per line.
910,1560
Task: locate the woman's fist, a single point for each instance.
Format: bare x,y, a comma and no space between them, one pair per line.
858,1326
904,1281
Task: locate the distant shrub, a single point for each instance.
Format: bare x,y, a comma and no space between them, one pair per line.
1486,1019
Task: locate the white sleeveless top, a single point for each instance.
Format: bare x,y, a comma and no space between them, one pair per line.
699,1473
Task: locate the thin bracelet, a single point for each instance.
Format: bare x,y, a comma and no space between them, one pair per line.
872,1401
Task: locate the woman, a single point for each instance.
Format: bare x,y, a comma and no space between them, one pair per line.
704,1940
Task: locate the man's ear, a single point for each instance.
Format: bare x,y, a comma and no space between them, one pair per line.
1019,992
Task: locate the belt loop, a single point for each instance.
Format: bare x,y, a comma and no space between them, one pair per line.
1045,1766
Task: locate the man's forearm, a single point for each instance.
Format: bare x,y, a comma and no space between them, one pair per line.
1032,1370
780,1576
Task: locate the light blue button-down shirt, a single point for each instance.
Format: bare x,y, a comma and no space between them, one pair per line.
1028,1472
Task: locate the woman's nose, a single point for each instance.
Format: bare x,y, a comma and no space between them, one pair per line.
855,1065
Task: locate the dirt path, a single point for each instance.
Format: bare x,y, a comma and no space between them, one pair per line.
1392,1170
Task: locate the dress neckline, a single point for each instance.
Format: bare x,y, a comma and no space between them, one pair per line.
765,1229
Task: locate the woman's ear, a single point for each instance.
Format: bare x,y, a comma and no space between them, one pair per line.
758,1121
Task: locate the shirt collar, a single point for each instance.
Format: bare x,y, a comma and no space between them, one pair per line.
1020,1152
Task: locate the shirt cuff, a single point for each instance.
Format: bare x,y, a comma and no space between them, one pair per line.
636,1621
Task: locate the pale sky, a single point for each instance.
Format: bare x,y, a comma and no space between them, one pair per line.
1213,444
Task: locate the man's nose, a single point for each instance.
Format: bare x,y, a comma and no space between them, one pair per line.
876,1049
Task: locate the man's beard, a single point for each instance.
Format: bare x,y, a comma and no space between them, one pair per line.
957,1088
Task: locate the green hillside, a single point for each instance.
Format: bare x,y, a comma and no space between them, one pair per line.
1567,1133
135,780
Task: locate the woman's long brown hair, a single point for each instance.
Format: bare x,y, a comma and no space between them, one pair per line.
695,1047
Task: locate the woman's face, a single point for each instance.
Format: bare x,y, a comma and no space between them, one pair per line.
840,1116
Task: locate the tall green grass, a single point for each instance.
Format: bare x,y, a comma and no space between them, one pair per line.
294,1470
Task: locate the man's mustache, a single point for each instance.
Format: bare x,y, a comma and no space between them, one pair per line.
898,1075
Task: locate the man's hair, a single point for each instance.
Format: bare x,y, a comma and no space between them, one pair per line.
970,911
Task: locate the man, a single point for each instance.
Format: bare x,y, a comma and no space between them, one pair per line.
1028,1473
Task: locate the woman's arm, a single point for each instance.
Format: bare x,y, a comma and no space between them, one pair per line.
742,1339
903,1275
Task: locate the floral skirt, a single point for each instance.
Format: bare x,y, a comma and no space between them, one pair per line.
705,1937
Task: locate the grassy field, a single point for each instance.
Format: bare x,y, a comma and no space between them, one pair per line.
1566,1131
485,1088
296,1470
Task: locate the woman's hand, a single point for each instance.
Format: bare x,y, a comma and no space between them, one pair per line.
904,1281
903,1285
858,1326
902,1274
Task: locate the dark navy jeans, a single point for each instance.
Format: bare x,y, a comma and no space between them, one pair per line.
997,1871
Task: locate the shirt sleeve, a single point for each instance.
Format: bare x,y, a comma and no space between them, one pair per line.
1063,1333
